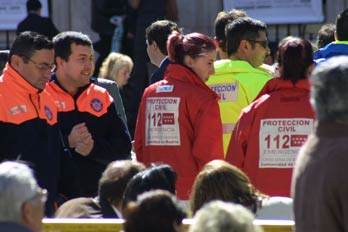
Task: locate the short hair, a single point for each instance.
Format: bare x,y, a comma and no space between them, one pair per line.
236,188
62,43
329,95
28,42
115,178
159,32
222,19
17,185
295,56
342,25
154,211
244,28
326,35
113,63
155,177
193,45
218,216
33,5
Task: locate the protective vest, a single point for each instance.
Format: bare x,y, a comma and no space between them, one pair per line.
237,83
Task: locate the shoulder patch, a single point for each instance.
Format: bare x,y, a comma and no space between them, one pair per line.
165,89
48,113
96,104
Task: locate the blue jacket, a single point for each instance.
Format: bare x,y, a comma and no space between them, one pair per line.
336,48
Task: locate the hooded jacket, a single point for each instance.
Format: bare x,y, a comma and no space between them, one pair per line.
269,134
179,124
337,48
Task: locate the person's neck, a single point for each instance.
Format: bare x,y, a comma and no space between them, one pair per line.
223,55
159,58
65,83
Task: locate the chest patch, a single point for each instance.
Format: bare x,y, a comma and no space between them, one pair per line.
17,110
165,89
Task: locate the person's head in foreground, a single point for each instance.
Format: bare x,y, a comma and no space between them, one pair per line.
218,216
22,201
155,211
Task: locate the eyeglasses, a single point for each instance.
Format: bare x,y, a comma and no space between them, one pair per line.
40,196
263,43
42,67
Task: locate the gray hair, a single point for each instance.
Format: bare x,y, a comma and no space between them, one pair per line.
17,185
329,89
219,216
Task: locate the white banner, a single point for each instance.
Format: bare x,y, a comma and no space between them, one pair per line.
14,11
280,11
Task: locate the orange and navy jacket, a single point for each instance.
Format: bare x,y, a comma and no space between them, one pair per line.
179,124
94,106
28,128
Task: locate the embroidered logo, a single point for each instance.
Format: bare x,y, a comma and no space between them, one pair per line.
17,110
96,104
48,113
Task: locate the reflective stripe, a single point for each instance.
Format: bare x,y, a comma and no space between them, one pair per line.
227,128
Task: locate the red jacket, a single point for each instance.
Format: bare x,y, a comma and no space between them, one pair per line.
179,124
270,133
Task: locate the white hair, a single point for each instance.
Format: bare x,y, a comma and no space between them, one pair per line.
329,84
17,184
219,216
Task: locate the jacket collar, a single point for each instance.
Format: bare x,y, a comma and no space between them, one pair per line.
279,83
13,77
181,73
55,80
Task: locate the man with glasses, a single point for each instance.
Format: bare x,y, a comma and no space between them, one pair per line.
238,77
93,133
21,199
28,115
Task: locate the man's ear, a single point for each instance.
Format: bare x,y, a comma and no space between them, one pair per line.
59,61
16,61
244,45
26,213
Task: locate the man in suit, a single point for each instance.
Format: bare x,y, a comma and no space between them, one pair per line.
108,203
35,22
156,41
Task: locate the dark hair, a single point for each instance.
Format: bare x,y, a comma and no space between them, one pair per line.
193,45
27,43
294,57
244,28
154,211
115,178
62,43
156,177
4,54
236,186
159,32
326,35
33,5
222,19
342,25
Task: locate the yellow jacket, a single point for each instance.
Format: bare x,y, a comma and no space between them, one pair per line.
237,83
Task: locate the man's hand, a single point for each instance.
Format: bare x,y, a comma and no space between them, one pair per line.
85,146
77,134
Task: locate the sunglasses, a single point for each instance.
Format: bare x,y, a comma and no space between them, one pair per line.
263,43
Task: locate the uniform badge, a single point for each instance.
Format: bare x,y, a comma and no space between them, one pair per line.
96,105
48,113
